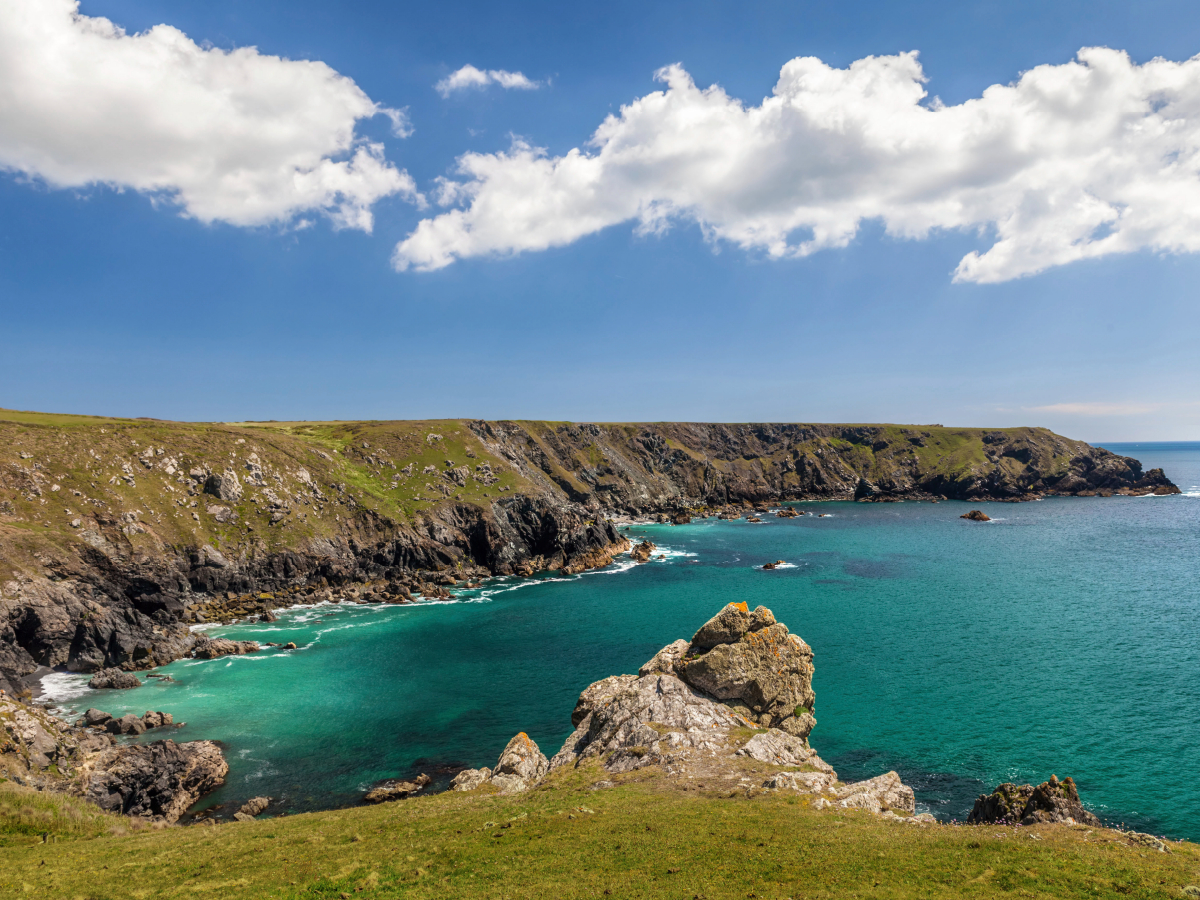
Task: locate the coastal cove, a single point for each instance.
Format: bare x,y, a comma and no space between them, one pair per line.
1060,637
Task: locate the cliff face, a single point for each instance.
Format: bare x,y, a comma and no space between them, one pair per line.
115,534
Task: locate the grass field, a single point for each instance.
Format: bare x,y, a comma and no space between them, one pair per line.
637,839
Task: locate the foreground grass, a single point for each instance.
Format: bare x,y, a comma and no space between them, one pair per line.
26,815
563,841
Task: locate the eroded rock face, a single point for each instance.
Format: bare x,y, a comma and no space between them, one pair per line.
1050,801
877,794
159,780
752,662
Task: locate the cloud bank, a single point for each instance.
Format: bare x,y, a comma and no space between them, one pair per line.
1074,161
232,136
469,77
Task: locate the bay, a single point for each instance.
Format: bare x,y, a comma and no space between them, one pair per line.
1062,637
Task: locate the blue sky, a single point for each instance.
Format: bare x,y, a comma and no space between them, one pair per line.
123,301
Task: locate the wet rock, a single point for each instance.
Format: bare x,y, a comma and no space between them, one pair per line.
159,780
211,649
976,515
641,552
107,679
1050,801
157,719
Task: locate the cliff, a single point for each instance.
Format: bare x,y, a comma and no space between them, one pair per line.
115,534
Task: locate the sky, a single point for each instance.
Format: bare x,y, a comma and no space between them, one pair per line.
968,213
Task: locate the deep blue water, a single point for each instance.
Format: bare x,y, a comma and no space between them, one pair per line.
1063,637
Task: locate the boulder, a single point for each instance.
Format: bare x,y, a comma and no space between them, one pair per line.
159,780
114,679
157,719
211,649
1050,801
681,519
783,749
255,806
522,759
752,662
94,717
803,782
877,794
641,552
128,724
469,779
976,515
224,487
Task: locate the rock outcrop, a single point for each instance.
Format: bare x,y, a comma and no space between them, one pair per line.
521,766
735,699
1050,801
976,515
395,790
156,781
641,553
211,649
107,679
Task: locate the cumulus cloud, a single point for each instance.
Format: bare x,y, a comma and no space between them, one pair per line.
234,136
469,77
1074,161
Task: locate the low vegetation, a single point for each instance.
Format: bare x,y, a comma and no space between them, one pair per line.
637,838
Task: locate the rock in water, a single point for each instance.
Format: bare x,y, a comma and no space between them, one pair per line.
754,664
641,553
976,515
114,678
254,806
127,724
397,790
1050,801
159,780
211,649
95,717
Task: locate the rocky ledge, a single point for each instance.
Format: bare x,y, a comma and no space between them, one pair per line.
157,781
732,707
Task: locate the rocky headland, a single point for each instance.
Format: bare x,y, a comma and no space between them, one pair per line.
116,536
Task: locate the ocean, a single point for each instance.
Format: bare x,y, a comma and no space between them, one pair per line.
1061,637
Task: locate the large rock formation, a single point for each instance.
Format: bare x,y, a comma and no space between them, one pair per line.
1050,801
734,702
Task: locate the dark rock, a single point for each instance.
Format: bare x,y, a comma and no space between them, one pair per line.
157,719
641,552
128,724
976,515
211,649
1050,801
116,679
681,519
159,780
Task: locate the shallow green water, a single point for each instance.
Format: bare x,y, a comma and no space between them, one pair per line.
1063,637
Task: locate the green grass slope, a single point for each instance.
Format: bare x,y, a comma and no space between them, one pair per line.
637,839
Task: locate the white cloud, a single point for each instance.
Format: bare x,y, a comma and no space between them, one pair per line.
1074,161
233,136
469,77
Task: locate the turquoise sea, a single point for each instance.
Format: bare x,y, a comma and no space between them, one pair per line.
1062,637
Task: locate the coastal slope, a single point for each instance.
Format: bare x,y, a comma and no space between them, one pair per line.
117,534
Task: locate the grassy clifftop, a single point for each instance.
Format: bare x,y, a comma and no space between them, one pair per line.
635,839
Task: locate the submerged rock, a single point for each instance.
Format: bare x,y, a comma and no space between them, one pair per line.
114,679
1050,801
